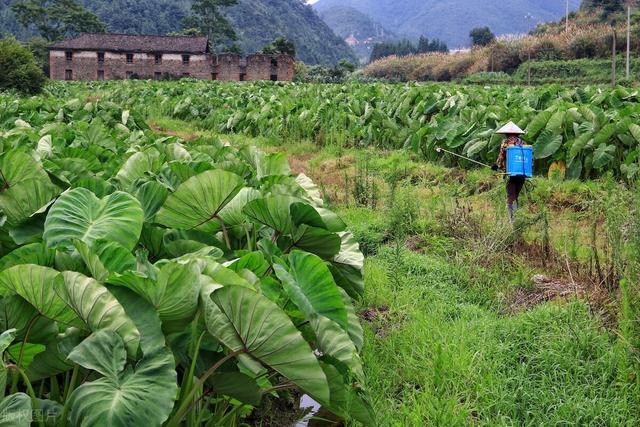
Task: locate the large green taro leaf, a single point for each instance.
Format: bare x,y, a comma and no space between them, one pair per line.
123,397
347,266
15,411
34,253
79,215
310,285
346,400
198,201
105,257
232,212
242,319
98,308
38,285
174,294
273,212
25,187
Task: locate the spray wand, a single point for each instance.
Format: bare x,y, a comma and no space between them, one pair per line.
440,150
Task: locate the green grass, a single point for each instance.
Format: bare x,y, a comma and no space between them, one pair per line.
440,359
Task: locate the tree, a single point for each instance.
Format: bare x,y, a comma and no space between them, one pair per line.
188,32
482,36
401,48
280,45
19,70
207,16
423,45
56,19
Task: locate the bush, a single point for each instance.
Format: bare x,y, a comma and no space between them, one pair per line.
18,68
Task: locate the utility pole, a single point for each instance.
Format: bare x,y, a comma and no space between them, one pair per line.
567,20
629,4
613,61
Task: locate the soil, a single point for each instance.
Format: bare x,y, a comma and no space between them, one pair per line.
547,289
183,135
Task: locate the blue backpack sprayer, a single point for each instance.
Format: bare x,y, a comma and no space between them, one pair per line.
518,164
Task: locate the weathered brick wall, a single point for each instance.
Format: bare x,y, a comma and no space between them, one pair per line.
285,68
227,67
85,65
258,67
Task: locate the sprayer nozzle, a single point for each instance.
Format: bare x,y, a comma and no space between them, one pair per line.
438,149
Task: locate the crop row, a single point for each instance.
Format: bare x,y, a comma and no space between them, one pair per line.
592,130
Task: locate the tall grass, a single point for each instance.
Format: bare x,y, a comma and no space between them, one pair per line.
506,54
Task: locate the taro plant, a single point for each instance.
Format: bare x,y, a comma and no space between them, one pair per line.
144,281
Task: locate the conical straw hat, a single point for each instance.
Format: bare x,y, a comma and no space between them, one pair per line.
510,129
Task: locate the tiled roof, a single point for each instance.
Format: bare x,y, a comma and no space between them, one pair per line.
132,43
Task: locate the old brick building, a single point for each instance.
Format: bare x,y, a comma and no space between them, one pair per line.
120,56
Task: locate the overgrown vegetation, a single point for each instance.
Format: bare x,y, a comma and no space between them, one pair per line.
148,281
583,40
20,71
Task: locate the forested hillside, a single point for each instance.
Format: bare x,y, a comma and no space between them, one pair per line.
257,22
452,20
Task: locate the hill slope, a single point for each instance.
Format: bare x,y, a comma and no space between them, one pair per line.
257,23
452,20
346,21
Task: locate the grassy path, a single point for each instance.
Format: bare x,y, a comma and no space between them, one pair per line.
445,343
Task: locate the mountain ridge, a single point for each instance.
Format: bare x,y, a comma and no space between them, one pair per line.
257,22
452,20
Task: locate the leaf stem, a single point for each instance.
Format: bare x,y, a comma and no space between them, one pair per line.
67,393
14,384
225,233
185,406
34,400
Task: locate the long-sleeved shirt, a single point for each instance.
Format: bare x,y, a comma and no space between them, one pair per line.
502,157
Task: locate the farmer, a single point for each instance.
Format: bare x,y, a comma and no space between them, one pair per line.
514,183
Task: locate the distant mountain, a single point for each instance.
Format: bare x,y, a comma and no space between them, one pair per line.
347,21
451,20
358,29
257,22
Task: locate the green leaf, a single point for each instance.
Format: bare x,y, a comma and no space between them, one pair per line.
345,400
198,201
603,155
333,341
310,285
537,124
29,352
15,411
143,395
547,145
105,257
242,319
34,253
555,123
25,199
347,266
37,285
103,351
232,214
272,211
605,134
79,214
318,241
137,166
635,131
98,308
151,196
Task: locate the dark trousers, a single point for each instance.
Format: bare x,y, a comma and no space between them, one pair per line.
514,187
